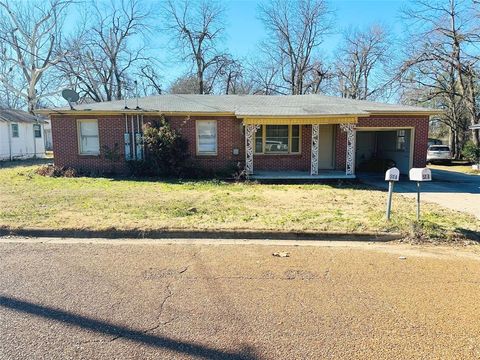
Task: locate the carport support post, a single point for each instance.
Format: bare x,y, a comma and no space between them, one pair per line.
389,199
350,129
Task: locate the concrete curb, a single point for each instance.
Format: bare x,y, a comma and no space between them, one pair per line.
201,234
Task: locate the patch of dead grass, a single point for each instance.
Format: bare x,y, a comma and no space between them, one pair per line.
32,201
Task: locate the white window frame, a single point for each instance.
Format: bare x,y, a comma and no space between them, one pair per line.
290,152
39,127
206,153
79,137
17,131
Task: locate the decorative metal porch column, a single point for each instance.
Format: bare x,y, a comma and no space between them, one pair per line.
250,131
314,157
350,129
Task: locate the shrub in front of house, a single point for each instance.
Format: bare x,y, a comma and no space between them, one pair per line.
56,171
113,155
165,151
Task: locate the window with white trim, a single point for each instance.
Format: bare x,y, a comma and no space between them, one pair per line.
15,132
206,137
37,130
88,139
277,139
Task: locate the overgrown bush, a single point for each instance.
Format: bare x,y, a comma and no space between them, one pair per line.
165,151
471,152
239,173
56,171
113,155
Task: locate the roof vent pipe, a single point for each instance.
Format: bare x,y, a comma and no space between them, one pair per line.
136,93
125,95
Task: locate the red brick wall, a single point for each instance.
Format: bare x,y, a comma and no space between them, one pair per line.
65,143
420,123
112,128
230,136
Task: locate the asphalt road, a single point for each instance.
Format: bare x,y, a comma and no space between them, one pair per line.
135,299
450,189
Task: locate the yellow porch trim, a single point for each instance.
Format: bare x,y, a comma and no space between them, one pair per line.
300,121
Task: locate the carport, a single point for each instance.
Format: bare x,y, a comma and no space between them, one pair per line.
377,149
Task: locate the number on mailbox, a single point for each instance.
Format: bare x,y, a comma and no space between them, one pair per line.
420,174
392,174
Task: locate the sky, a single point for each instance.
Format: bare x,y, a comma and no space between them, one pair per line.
244,31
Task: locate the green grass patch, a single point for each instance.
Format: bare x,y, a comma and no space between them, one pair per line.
33,201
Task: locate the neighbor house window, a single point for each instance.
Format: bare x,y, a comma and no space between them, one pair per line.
88,139
15,133
37,130
206,137
277,139
400,140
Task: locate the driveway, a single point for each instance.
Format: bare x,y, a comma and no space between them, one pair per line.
450,189
114,299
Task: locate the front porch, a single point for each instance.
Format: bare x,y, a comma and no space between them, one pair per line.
300,175
300,148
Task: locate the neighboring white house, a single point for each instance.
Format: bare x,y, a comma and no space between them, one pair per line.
47,134
21,135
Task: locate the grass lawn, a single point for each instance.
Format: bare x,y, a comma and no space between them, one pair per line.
32,201
466,169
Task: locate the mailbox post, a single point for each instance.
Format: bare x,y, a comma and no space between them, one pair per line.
419,175
391,176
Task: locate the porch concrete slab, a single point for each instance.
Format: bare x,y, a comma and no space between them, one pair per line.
300,175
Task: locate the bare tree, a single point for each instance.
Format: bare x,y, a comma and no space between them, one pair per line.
30,34
102,57
318,78
361,63
197,27
441,60
185,84
264,75
10,99
150,78
296,29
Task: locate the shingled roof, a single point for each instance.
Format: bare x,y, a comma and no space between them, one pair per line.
13,115
250,105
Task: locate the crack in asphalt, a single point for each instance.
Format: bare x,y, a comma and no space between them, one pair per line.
170,293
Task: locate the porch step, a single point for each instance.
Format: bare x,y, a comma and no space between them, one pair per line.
300,175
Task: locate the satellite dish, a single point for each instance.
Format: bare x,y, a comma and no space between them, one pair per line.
71,96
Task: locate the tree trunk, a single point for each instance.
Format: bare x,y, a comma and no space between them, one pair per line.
451,141
457,146
32,99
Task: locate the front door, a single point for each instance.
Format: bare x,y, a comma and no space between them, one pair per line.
325,147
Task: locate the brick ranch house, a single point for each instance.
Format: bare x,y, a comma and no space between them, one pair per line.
297,136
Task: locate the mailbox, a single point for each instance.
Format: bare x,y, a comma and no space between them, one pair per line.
392,174
420,174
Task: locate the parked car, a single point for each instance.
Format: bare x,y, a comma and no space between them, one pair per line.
434,142
275,146
439,154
